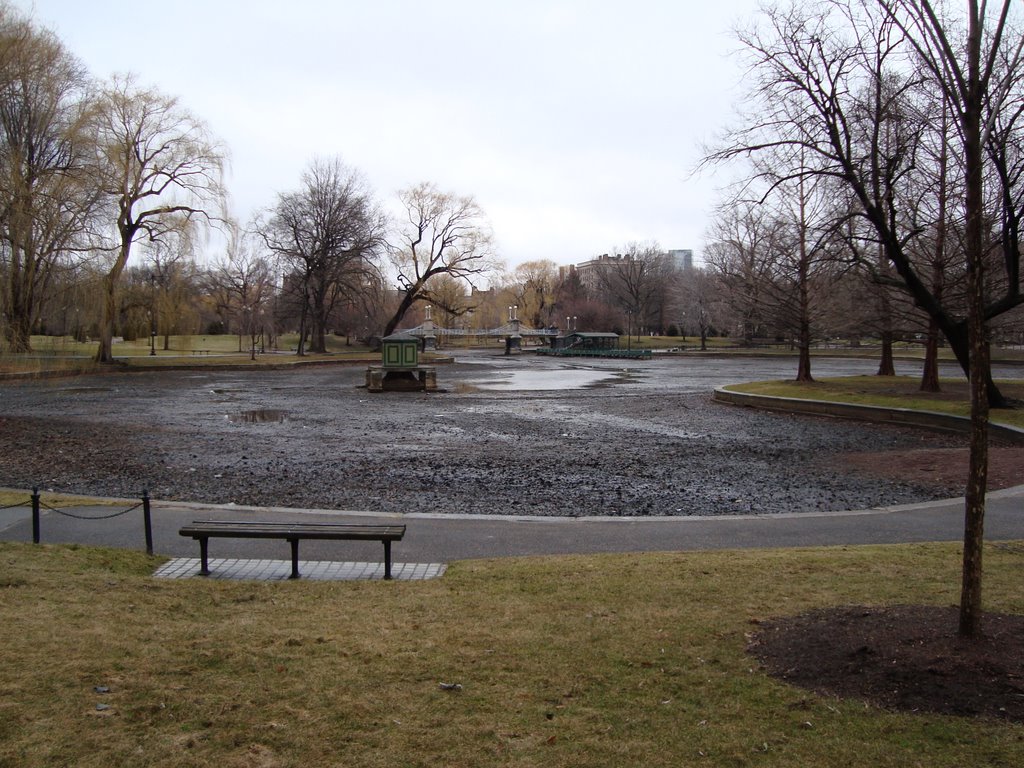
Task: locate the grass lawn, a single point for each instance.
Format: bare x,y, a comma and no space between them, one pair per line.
56,354
891,392
604,660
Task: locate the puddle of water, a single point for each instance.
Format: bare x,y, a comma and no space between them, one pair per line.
84,390
540,381
258,416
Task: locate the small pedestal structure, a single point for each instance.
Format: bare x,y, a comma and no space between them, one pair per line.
513,341
400,371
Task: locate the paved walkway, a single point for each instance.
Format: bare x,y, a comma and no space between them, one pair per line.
432,540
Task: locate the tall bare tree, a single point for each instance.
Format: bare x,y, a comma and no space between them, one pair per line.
636,281
328,236
160,172
46,191
441,234
741,251
243,283
817,66
173,274
699,297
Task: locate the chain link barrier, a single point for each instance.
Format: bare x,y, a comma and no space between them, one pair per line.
112,515
38,505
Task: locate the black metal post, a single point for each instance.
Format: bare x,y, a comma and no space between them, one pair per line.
35,515
295,558
148,521
152,318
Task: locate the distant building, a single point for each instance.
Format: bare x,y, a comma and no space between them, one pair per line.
590,271
682,259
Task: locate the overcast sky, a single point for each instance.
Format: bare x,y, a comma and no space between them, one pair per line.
574,124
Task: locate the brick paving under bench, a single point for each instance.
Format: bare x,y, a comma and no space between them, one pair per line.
312,570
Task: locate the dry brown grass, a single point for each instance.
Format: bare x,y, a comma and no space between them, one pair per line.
892,392
573,661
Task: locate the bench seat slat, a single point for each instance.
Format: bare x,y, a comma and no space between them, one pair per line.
284,530
203,530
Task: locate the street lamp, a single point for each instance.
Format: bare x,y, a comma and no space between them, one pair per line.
152,314
629,330
252,335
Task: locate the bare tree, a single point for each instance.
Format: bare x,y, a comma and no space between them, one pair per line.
817,66
699,296
636,280
160,172
46,194
833,82
328,236
806,263
741,251
441,234
244,284
173,276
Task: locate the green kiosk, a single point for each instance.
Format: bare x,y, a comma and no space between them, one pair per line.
400,370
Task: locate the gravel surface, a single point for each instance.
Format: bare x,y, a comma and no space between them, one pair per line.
521,435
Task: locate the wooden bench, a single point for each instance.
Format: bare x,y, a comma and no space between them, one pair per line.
204,530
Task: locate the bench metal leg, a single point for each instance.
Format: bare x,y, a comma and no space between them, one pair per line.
204,569
387,559
295,558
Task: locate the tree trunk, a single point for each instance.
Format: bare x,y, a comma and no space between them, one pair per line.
317,332
979,369
105,352
18,334
886,364
18,301
930,371
977,484
804,366
958,338
300,348
407,301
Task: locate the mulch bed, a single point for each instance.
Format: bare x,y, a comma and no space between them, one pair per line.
904,658
941,468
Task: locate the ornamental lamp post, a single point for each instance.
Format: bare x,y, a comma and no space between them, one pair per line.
152,333
152,314
252,335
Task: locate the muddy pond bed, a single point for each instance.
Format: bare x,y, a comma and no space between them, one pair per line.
506,436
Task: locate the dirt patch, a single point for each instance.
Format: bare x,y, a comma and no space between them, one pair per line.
905,658
944,469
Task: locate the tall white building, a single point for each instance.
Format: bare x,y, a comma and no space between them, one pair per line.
681,258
